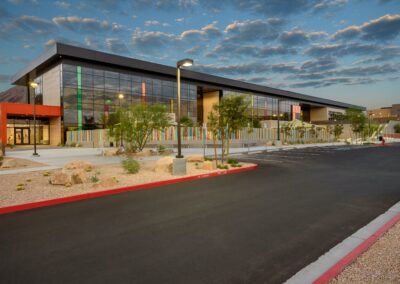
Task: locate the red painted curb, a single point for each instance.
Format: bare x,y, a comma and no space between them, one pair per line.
351,256
32,205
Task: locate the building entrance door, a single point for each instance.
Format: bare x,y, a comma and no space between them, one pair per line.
21,136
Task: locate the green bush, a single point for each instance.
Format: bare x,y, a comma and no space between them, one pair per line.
224,167
397,128
161,149
131,165
233,161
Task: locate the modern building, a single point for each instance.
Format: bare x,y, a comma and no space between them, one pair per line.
77,87
385,113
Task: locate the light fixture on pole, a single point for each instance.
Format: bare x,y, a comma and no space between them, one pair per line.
34,86
120,98
181,63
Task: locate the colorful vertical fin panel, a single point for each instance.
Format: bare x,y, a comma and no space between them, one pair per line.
79,95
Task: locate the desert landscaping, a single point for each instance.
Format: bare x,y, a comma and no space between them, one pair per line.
79,176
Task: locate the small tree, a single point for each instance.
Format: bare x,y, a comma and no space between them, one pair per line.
230,115
233,114
357,119
186,121
337,131
397,128
214,127
111,122
286,131
138,121
301,130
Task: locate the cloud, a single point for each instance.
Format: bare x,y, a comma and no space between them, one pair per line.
300,37
329,4
385,53
27,25
180,20
5,78
87,25
254,30
194,50
384,28
18,2
234,69
62,4
117,46
342,49
48,44
333,81
149,23
151,41
235,50
319,64
209,31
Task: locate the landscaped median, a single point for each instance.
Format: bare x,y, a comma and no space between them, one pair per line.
80,180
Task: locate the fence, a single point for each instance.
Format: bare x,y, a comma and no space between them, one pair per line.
192,136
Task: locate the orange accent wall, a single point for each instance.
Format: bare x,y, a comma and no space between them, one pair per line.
23,110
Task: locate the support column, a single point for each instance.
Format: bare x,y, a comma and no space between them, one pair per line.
3,125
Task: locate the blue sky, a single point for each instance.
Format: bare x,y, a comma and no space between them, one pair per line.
346,50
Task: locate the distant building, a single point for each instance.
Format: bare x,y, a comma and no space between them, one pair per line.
385,113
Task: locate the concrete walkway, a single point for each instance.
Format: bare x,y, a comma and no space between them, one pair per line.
57,158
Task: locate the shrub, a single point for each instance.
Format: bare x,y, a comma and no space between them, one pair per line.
131,165
397,128
233,161
223,167
94,178
161,149
208,159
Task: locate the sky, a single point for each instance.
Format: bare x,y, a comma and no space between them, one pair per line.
345,50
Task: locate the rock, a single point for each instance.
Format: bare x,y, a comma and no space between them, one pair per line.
209,165
60,178
78,165
9,163
164,164
195,158
108,182
270,143
111,152
145,153
78,177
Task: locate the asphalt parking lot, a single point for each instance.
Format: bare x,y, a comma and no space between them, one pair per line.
260,226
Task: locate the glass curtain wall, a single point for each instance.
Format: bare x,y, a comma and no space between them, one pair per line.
265,107
91,93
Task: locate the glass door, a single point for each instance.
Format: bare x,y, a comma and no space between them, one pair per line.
21,136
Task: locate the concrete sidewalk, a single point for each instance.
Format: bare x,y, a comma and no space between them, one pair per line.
57,158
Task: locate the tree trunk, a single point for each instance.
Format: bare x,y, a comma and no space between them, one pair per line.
227,144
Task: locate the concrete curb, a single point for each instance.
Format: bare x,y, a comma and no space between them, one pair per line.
50,202
336,259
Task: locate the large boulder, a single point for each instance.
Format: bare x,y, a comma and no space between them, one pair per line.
111,152
145,153
195,158
164,165
60,178
108,182
78,165
79,176
9,163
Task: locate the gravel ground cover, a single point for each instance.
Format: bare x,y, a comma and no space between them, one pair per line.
37,187
21,163
379,264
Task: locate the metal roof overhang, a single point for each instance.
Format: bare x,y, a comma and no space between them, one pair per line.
59,51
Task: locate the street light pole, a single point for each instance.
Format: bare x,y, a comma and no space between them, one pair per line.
184,62
34,85
120,98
